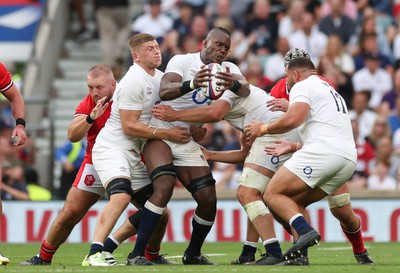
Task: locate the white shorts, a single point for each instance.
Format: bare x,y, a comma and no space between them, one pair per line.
258,156
188,154
88,180
116,162
324,170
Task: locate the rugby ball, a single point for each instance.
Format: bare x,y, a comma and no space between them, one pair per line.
213,90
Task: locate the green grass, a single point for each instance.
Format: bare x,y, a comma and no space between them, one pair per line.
327,257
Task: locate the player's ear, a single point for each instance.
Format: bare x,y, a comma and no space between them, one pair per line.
205,42
135,56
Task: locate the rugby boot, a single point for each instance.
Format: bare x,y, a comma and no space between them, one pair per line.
162,260
244,259
109,258
138,260
4,260
35,260
306,240
364,258
268,259
200,260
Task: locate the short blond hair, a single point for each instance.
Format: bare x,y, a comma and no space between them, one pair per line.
99,69
136,41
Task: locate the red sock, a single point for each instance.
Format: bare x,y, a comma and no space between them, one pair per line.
47,252
151,253
356,240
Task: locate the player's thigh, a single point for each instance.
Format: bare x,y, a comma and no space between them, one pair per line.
285,182
156,153
78,202
258,156
187,154
324,170
120,163
341,190
188,174
88,180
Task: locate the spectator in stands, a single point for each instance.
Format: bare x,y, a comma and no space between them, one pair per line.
199,29
372,77
263,26
14,184
340,81
390,98
384,153
273,68
380,129
114,29
181,25
198,6
365,154
83,33
222,10
368,44
309,38
292,21
380,179
394,118
35,191
362,113
71,156
255,74
155,22
349,9
337,23
336,54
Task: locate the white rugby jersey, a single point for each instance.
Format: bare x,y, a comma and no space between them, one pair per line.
137,90
253,107
186,66
327,127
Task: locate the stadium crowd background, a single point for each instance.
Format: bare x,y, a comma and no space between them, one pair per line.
355,44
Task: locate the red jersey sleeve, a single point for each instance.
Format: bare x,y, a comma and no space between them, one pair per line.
278,91
5,78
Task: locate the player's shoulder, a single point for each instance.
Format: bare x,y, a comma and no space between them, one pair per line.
184,57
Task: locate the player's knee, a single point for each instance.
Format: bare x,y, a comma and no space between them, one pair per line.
168,169
134,219
142,195
253,179
70,216
119,185
201,183
246,195
338,201
255,209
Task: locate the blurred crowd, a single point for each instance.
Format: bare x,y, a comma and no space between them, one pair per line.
355,44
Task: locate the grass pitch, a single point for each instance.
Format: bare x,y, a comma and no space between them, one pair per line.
327,257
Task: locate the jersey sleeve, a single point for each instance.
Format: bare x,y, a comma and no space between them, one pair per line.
233,68
297,96
131,96
177,65
229,97
5,78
